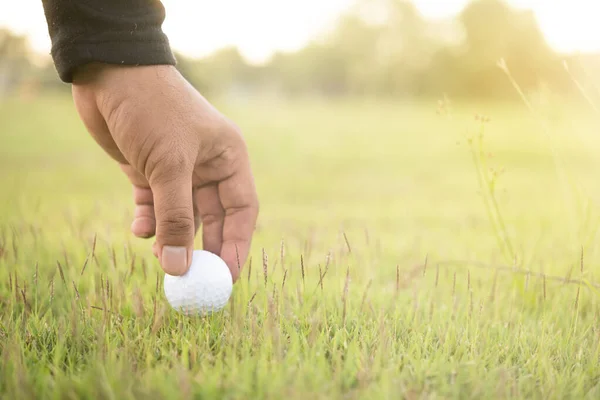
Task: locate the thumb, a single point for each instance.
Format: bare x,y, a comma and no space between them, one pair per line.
173,207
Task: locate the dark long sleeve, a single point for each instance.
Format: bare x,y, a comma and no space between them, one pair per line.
126,32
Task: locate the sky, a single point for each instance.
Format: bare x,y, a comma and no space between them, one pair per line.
260,27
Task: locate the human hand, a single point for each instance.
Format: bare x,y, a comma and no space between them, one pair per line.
188,163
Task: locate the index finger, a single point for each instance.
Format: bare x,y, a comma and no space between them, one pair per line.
240,202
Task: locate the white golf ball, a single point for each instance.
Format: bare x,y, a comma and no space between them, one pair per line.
204,289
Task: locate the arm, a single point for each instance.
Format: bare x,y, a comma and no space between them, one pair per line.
125,32
187,162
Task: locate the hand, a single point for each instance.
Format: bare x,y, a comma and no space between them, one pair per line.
187,162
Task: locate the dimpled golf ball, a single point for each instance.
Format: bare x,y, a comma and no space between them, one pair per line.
204,289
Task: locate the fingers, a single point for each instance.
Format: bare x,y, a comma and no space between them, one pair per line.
174,211
144,221
197,220
239,199
211,215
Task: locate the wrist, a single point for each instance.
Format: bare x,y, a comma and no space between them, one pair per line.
88,73
95,71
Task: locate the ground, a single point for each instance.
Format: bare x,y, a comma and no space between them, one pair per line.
377,270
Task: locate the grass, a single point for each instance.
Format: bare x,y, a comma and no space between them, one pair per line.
377,271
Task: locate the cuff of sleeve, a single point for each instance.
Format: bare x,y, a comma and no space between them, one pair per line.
68,58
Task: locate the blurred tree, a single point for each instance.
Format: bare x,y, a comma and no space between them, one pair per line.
405,48
344,62
361,56
379,47
14,60
494,31
225,70
315,69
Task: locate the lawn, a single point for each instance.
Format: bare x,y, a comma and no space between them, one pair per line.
376,271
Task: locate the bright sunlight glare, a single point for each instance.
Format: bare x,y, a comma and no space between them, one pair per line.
261,27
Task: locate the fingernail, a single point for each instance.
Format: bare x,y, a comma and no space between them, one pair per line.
174,260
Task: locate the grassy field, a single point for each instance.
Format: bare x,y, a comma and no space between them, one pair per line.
377,270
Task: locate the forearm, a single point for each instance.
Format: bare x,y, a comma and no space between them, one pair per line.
125,32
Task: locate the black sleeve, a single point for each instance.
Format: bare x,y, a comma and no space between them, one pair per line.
127,32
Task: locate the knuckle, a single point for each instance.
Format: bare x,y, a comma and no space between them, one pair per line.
234,128
212,218
166,161
235,135
235,156
176,221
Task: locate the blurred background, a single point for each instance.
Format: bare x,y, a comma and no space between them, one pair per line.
395,144
385,48
359,116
